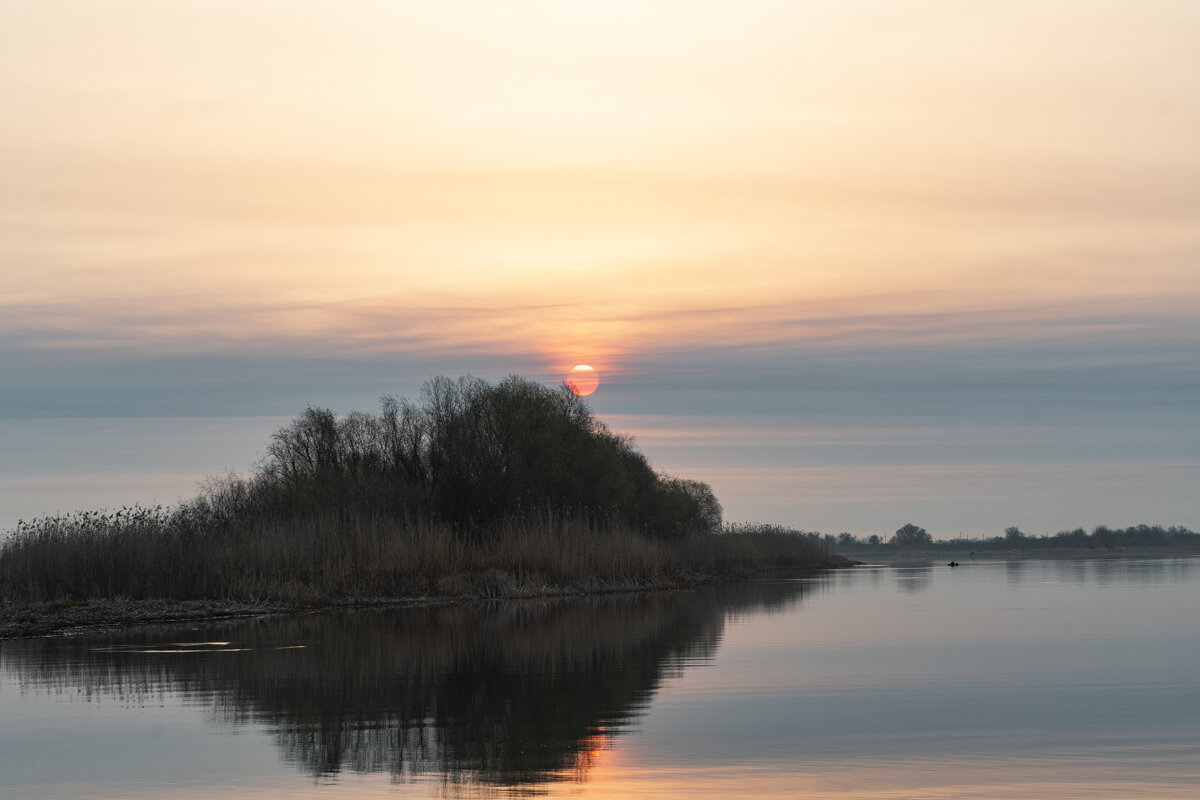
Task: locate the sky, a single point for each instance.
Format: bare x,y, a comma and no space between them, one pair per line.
854,263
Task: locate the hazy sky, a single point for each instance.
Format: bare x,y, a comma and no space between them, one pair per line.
853,262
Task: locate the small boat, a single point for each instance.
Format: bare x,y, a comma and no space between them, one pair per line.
952,564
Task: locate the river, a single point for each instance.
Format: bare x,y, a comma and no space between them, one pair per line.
1050,679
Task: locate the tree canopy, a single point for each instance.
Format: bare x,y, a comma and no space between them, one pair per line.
473,454
912,536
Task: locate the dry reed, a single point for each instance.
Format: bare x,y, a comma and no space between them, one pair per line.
155,553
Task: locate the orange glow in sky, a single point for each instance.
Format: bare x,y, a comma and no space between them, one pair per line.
671,172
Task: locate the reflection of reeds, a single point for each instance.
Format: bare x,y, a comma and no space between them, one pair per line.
507,693
157,553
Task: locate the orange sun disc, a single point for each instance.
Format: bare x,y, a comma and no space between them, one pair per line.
582,380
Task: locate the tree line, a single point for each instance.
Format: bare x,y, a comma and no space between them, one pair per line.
1101,537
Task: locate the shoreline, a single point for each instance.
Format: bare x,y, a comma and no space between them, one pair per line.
32,620
28,620
964,554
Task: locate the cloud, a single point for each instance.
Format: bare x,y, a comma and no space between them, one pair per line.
782,358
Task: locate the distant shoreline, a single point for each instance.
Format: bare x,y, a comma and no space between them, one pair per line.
943,553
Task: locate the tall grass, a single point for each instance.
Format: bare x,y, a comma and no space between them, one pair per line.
142,553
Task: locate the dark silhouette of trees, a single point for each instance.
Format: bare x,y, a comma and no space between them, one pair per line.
473,490
474,454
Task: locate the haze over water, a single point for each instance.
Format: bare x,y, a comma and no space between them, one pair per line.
953,479
1050,679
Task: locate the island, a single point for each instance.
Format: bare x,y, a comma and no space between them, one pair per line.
473,491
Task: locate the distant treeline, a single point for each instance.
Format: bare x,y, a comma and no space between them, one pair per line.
1101,537
476,489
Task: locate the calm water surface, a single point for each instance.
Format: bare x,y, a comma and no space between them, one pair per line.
1050,679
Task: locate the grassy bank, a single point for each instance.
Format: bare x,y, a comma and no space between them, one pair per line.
95,571
63,581
142,554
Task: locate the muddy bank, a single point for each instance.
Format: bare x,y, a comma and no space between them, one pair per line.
20,620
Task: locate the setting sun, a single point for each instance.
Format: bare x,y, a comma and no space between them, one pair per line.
583,380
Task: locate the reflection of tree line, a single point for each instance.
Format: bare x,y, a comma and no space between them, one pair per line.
1102,571
505,693
1149,571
